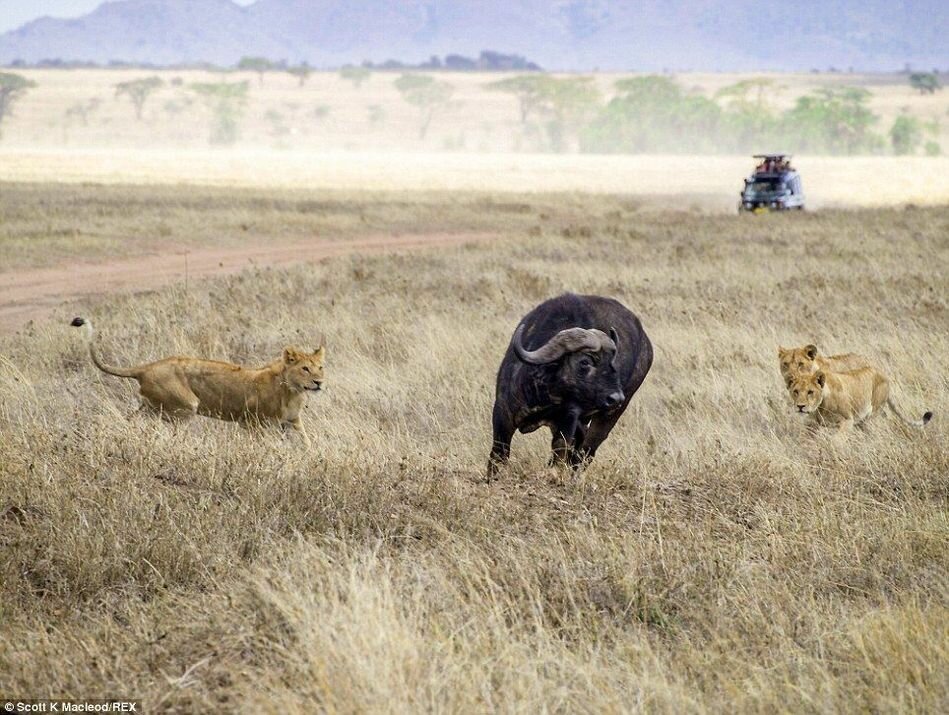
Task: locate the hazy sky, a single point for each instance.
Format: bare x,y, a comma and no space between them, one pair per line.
14,13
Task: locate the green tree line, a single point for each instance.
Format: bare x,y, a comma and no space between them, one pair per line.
655,114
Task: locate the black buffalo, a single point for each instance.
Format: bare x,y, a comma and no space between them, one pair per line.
573,365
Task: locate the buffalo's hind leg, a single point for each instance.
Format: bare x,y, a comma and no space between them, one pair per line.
503,432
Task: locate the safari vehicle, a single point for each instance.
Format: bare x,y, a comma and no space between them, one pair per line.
773,186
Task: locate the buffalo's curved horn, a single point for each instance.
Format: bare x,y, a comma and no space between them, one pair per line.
615,338
566,341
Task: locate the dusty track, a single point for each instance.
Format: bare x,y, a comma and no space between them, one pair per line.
32,294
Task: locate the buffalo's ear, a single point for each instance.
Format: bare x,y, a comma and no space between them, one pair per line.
820,377
810,351
290,355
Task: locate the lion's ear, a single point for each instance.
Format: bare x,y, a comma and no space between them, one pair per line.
290,355
810,351
781,351
319,351
820,377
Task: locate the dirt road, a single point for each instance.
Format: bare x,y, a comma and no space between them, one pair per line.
32,294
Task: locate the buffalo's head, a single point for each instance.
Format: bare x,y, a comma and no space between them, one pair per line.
583,365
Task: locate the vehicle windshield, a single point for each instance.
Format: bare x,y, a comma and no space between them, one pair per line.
764,186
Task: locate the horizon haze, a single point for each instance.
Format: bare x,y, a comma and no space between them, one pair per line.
568,35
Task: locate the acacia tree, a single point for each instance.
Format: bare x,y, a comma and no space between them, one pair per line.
12,87
138,90
750,119
568,102
562,104
425,93
226,102
256,64
750,95
302,72
654,114
356,75
529,89
833,120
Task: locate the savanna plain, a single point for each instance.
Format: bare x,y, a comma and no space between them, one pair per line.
714,556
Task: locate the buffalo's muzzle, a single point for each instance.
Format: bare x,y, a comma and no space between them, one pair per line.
616,398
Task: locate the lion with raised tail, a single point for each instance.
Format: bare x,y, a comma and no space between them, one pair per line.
846,398
178,388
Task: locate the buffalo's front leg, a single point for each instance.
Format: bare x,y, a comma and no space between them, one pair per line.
564,435
503,431
594,434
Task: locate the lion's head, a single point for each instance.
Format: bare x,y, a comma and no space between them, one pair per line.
303,371
794,361
807,391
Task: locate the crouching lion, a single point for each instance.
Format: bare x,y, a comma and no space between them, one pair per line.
178,388
846,398
808,359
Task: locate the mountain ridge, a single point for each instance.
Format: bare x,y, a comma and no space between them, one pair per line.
580,35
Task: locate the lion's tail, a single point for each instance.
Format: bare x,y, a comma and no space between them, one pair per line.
89,333
927,416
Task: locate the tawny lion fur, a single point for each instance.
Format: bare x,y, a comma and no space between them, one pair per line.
178,388
807,359
846,398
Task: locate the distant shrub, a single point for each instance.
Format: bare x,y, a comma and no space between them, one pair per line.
376,114
906,135
83,110
322,111
925,82
278,124
226,102
356,75
260,65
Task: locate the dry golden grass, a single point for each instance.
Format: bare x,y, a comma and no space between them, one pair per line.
711,183
50,224
711,558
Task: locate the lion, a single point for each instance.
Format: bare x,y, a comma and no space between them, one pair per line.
178,388
847,398
808,359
